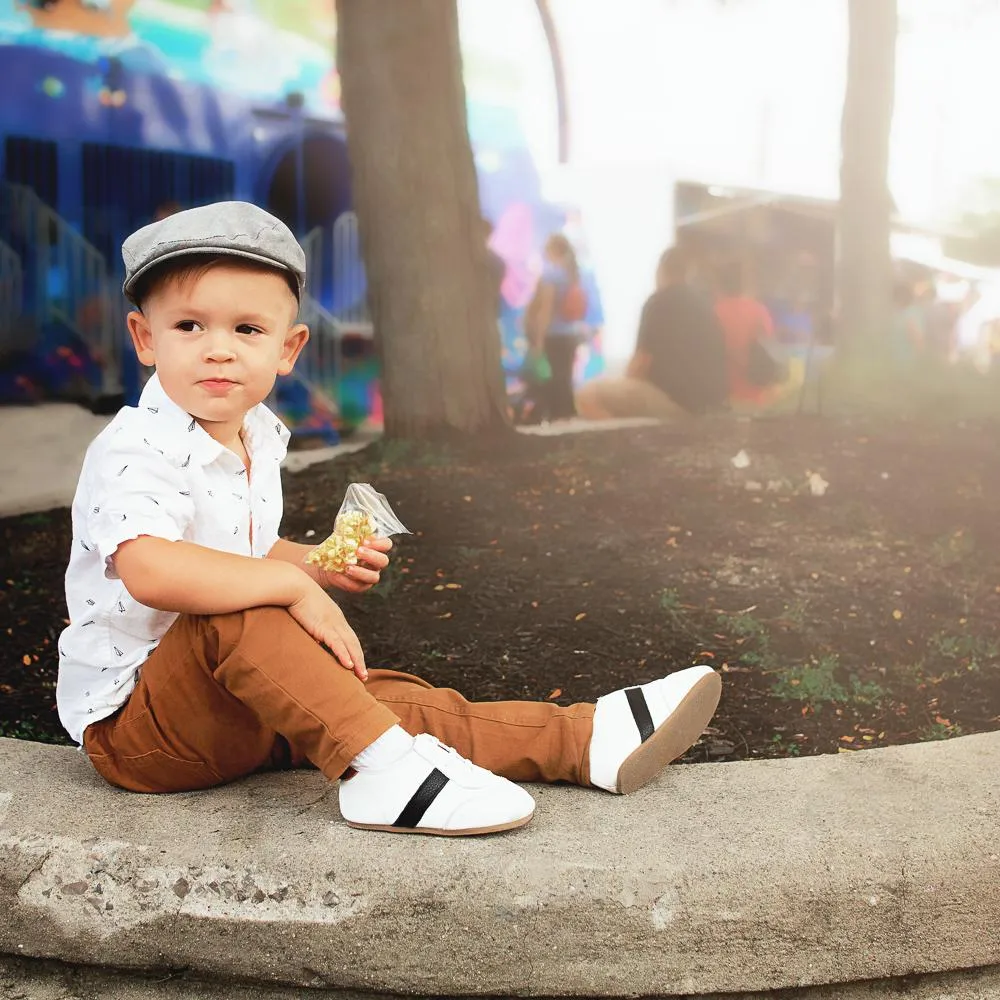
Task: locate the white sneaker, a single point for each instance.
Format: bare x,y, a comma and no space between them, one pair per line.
639,730
433,789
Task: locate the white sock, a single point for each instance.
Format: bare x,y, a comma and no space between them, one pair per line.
386,750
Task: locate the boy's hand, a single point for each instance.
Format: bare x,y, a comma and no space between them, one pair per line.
372,559
319,615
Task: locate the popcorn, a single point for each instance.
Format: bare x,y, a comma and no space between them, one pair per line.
340,550
363,514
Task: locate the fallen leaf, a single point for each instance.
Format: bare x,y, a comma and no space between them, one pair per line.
26,660
672,542
817,484
452,586
554,693
534,604
581,616
447,614
467,499
847,739
847,750
897,614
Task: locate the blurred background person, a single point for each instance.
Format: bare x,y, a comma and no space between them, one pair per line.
747,326
908,334
553,326
679,363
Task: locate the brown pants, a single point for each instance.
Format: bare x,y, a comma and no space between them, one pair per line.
223,696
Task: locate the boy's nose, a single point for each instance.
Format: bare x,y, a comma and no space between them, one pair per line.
219,347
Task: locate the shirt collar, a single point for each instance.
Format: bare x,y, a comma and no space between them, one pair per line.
175,433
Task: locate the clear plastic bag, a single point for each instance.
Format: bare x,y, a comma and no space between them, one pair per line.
364,497
365,513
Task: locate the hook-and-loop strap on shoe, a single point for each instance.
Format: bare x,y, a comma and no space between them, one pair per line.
413,811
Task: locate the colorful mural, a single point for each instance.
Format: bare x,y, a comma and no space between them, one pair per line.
135,107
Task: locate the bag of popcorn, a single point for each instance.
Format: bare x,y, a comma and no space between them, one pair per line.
364,513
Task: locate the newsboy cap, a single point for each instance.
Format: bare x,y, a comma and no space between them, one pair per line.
236,228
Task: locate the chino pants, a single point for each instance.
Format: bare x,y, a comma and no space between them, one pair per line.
223,696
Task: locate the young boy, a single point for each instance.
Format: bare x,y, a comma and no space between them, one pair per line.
195,653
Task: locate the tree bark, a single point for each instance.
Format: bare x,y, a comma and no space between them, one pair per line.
864,261
417,200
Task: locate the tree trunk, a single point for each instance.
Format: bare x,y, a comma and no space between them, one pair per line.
864,278
417,200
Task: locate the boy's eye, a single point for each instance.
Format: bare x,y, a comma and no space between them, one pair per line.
187,325
247,328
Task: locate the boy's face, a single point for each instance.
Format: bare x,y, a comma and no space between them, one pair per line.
218,340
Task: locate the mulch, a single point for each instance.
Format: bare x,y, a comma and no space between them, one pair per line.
844,582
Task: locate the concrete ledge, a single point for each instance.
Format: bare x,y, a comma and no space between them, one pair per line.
36,979
718,878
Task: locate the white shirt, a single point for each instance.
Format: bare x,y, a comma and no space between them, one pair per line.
153,471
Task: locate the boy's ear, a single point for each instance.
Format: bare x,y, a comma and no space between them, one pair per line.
142,337
295,340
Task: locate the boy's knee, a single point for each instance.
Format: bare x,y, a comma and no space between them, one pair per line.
269,619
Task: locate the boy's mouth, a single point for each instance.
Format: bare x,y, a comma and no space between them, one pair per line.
217,384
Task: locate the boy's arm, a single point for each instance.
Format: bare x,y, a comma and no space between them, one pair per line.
193,579
287,551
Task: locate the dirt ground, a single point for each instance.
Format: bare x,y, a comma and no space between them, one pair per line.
845,582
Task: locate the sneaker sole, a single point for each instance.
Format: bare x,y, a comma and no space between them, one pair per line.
435,832
675,734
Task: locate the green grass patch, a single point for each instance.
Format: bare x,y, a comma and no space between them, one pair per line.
819,681
968,652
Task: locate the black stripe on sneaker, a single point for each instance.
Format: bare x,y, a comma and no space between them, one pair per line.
413,811
640,712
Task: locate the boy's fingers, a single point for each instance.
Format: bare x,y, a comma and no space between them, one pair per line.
382,544
374,558
361,574
356,653
338,647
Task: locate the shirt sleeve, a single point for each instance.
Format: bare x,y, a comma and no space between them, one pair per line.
137,491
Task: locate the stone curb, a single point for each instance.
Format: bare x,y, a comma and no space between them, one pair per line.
717,878
36,979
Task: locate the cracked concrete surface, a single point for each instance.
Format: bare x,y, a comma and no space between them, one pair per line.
716,878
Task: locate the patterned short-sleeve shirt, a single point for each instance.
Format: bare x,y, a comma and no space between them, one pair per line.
153,471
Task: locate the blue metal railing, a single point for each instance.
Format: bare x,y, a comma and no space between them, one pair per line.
11,297
71,280
349,273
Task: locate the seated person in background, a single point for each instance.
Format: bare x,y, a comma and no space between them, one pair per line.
744,321
679,364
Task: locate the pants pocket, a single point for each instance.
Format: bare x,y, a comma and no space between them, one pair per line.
153,772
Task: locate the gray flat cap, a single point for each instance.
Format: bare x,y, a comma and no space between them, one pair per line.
227,227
